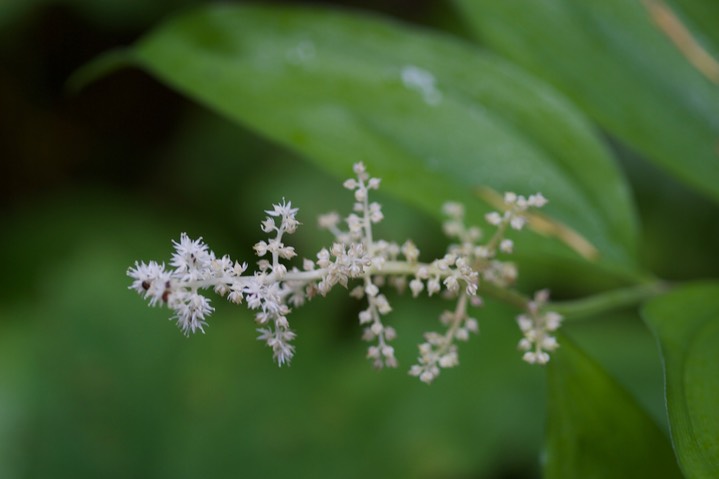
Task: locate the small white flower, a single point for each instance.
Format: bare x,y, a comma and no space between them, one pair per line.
517,222
360,194
354,223
453,210
190,312
427,377
452,229
416,286
448,360
377,328
145,275
549,343
506,246
525,323
260,248
268,225
280,270
537,200
190,255
493,218
329,221
423,272
375,213
473,234
287,213
360,170
451,283
383,305
286,252
530,357
433,286
552,320
536,327
372,290
365,316
472,325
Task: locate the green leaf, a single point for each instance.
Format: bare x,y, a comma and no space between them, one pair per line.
705,15
595,428
614,61
686,322
431,116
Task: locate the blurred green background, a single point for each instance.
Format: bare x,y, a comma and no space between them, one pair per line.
95,384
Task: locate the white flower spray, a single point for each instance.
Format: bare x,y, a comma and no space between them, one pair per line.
274,289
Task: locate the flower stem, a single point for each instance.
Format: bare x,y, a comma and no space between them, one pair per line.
580,308
609,301
508,296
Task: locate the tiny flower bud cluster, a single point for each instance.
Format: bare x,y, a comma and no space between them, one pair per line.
463,264
274,288
365,214
439,351
536,326
517,205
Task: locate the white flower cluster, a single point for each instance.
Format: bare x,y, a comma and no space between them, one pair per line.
517,205
274,289
373,255
472,262
537,326
195,267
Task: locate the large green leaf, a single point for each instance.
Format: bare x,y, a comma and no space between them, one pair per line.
596,429
428,114
617,64
686,322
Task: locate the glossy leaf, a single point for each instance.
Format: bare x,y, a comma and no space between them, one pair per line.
614,60
686,322
595,428
430,115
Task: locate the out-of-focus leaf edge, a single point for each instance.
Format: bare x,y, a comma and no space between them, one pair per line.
117,59
99,67
691,454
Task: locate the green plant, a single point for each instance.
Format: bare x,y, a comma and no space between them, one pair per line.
439,119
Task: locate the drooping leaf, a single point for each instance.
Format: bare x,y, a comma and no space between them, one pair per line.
597,429
615,61
430,115
686,322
